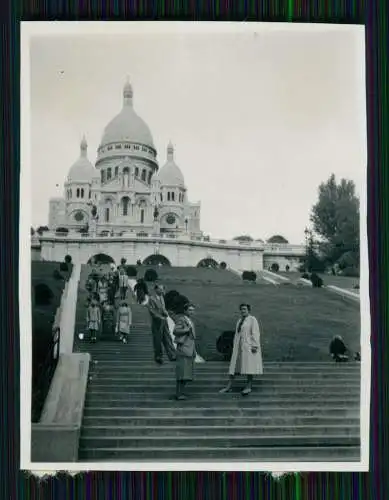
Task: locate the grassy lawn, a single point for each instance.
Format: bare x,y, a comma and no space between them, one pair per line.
303,319
344,282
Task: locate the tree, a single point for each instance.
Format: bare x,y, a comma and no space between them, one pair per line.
277,238
335,219
243,237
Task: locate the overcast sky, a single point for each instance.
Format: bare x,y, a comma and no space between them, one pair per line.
258,120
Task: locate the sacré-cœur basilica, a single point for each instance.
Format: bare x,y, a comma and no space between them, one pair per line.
126,206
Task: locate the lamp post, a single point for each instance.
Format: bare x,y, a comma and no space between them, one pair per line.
186,225
306,233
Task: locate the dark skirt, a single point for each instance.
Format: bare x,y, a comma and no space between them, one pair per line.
184,368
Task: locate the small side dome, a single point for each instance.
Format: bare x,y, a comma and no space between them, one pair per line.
170,174
82,170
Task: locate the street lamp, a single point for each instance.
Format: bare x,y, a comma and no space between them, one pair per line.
306,233
186,225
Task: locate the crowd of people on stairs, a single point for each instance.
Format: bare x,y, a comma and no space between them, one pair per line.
109,317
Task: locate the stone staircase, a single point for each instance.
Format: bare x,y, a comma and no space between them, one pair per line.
296,412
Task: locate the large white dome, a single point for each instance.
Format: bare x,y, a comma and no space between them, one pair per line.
127,125
170,174
82,170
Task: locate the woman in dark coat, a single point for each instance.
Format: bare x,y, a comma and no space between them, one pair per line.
184,336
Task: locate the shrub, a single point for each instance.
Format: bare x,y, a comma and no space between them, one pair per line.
178,303
275,267
64,267
316,281
277,239
32,231
42,229
356,287
123,261
224,344
138,262
306,276
57,275
43,295
249,276
170,298
68,259
287,268
131,271
223,265
151,275
63,230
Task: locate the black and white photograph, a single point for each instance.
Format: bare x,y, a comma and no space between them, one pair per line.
194,247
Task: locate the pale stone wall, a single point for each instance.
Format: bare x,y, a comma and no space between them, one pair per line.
178,253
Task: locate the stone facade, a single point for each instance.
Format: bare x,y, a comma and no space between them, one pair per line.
179,251
126,188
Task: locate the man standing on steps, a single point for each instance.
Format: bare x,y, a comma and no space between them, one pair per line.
159,326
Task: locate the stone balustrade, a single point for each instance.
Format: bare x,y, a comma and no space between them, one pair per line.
269,248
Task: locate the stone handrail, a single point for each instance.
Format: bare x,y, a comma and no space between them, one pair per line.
267,247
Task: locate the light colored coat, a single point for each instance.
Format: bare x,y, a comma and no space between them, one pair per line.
243,361
123,320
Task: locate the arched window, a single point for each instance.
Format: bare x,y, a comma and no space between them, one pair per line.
143,175
109,174
102,176
168,196
149,179
126,177
78,192
136,171
82,192
107,214
125,203
172,195
142,216
116,171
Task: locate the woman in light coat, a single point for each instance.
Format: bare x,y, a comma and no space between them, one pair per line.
247,354
93,320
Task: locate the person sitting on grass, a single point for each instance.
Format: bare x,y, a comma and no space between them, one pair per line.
338,349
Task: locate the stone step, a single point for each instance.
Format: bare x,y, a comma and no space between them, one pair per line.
149,365
203,389
225,411
221,378
269,381
295,365
263,454
215,399
272,419
201,432
221,440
